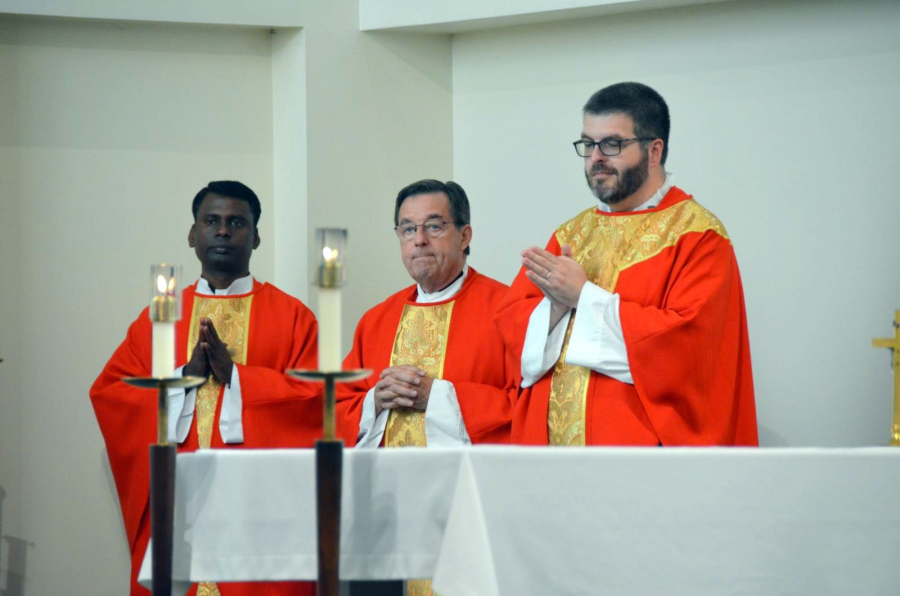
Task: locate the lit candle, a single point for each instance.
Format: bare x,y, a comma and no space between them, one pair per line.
329,279
163,313
330,312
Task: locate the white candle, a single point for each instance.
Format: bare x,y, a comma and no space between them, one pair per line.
163,349
330,312
329,329
163,317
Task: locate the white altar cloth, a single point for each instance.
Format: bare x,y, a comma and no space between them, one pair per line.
504,520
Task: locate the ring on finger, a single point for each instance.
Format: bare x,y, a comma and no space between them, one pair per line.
548,274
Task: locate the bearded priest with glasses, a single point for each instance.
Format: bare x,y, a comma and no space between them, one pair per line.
442,376
630,324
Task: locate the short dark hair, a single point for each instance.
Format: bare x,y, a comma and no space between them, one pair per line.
459,202
233,190
646,107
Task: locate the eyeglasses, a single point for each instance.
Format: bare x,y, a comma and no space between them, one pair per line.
608,147
432,228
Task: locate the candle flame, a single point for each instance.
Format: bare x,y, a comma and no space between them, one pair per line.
330,254
171,285
161,284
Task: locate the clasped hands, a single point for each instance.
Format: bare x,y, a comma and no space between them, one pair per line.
210,355
560,278
403,386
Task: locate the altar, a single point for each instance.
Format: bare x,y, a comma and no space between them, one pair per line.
513,520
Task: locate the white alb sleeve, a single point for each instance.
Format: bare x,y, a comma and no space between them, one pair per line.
597,341
444,425
231,424
542,349
181,410
371,429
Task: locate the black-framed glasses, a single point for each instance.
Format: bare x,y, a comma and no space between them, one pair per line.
433,228
608,147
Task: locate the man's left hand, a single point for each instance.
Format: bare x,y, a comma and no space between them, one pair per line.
413,378
560,278
217,351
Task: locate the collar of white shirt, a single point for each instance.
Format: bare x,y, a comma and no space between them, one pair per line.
655,200
240,286
449,292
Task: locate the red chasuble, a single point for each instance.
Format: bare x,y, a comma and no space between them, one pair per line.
685,329
276,332
474,360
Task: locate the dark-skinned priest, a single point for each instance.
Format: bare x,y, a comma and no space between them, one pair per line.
239,334
630,324
441,376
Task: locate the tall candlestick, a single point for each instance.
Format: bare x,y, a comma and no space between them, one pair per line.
164,307
329,450
329,279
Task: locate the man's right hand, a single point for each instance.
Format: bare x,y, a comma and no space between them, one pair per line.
396,388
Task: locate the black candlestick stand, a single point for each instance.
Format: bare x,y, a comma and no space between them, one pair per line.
162,480
329,464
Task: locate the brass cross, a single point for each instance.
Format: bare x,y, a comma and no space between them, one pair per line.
894,345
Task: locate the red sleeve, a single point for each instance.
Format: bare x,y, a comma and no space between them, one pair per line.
127,419
278,410
516,307
486,409
487,390
350,396
263,383
690,358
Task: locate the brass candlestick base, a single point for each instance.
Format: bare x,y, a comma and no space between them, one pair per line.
162,479
893,344
329,463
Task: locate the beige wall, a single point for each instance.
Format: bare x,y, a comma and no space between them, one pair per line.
379,118
107,132
784,124
11,407
107,129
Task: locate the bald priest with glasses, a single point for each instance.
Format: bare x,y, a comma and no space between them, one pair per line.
630,324
442,376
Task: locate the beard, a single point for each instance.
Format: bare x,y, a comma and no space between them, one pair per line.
627,182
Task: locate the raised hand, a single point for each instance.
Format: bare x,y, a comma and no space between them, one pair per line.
219,359
560,278
198,365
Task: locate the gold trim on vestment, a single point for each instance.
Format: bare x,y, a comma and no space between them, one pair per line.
208,589
605,246
231,318
421,340
419,587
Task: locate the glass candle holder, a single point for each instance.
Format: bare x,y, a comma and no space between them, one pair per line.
165,293
332,251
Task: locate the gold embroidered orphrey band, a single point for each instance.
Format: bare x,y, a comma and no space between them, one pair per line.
421,340
231,318
605,246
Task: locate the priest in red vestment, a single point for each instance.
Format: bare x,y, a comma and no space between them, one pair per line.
238,333
441,375
630,324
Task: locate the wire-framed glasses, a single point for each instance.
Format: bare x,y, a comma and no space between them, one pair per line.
433,228
608,147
